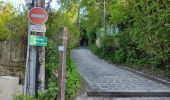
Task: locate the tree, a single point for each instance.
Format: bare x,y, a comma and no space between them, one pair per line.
6,13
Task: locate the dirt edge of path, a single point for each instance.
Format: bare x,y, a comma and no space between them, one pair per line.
84,87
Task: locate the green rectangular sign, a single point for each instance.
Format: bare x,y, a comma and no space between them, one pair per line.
38,40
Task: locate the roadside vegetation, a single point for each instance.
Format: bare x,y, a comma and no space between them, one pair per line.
136,33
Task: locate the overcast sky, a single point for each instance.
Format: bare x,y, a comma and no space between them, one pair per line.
16,3
54,4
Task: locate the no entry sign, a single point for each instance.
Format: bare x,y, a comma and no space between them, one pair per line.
37,15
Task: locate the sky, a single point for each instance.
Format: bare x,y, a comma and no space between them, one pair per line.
16,3
54,4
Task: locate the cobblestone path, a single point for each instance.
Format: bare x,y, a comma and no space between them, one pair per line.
104,77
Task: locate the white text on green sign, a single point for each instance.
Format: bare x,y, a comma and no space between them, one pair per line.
38,40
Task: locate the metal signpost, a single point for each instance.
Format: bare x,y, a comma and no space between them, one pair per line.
37,17
35,61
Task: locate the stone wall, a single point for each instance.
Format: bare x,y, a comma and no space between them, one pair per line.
11,51
12,57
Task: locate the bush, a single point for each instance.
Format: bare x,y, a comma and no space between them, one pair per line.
119,56
73,79
72,76
143,31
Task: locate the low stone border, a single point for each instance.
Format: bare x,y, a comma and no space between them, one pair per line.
128,94
159,80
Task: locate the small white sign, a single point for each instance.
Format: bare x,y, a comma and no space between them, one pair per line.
60,48
27,1
38,28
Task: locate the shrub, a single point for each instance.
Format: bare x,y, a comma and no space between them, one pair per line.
119,56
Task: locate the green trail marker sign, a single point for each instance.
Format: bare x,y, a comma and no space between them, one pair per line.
38,40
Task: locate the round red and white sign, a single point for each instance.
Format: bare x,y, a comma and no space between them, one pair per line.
37,15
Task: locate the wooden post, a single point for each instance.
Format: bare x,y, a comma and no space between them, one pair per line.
41,3
62,63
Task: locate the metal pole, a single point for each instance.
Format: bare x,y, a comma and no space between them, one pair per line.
27,69
27,61
32,65
62,63
32,70
29,85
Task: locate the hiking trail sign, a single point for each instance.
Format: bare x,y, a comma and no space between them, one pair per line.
37,15
38,40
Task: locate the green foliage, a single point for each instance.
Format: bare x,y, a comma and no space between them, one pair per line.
6,13
22,97
117,10
143,39
50,93
51,61
57,20
119,56
13,24
148,29
73,79
18,26
107,40
91,19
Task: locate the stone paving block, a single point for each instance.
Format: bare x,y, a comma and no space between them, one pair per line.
103,76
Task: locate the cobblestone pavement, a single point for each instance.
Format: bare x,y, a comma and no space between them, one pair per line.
104,77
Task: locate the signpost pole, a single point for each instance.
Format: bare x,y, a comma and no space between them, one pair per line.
32,70
27,65
29,85
32,65
62,63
